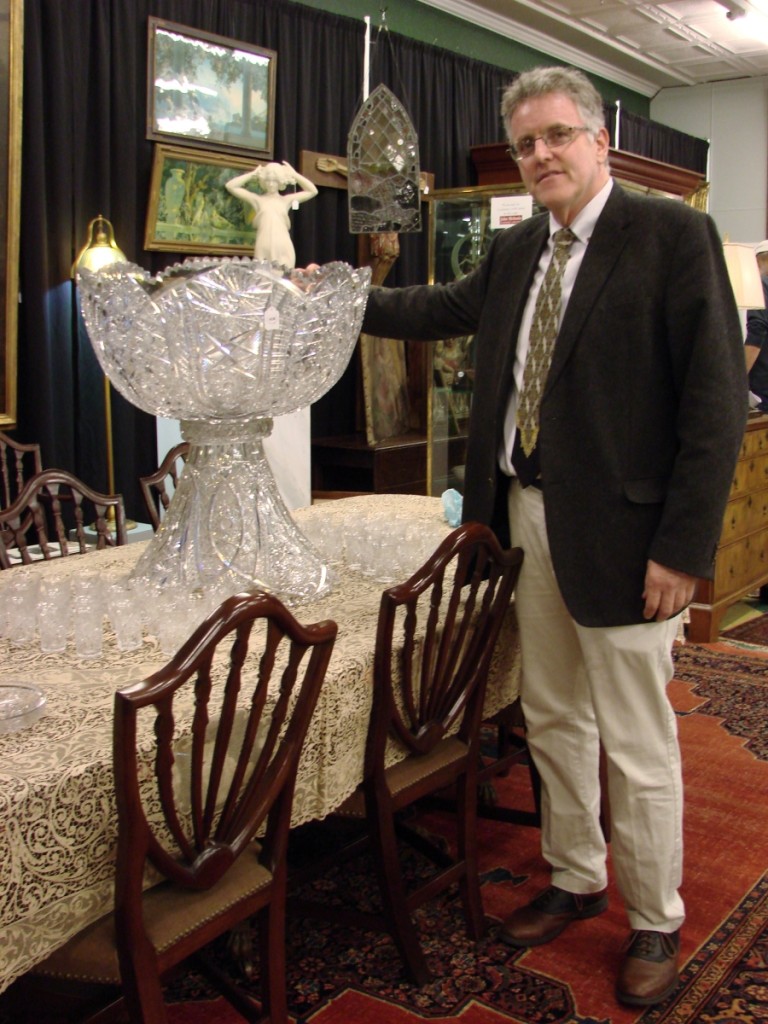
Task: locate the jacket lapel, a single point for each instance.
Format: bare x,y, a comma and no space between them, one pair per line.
604,249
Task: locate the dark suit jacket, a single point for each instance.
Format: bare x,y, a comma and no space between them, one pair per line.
645,404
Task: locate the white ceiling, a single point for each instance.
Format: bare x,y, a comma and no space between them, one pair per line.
643,46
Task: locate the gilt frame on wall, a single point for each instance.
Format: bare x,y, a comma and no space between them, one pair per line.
11,65
190,209
213,92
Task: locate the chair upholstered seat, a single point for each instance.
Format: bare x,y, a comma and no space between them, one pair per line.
170,915
416,768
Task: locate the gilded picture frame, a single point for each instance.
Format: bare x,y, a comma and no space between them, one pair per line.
190,209
214,92
11,66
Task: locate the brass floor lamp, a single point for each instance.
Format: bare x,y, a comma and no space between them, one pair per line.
99,251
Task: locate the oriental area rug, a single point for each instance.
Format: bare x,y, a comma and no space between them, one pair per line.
753,631
340,976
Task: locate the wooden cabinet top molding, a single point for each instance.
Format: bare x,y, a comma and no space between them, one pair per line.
494,166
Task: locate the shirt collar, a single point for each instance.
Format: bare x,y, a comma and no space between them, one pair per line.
584,222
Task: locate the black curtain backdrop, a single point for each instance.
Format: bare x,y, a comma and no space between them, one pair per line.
660,142
85,153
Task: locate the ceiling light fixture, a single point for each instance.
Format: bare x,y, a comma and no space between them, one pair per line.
735,9
751,19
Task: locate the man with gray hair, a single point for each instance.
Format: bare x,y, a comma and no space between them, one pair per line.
608,410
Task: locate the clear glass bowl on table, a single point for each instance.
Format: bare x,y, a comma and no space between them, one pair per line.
224,345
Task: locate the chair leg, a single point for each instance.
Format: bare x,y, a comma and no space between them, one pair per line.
144,997
270,928
272,948
393,894
469,883
248,1008
533,771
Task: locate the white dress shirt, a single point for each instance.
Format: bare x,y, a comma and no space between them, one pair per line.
583,225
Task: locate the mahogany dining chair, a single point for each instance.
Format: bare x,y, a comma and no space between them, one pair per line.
154,486
57,514
435,638
208,813
18,462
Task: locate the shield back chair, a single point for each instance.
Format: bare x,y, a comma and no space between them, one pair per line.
57,514
18,462
154,487
435,638
209,813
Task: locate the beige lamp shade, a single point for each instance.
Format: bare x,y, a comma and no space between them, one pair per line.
744,274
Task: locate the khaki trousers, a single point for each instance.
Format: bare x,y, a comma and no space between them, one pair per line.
582,687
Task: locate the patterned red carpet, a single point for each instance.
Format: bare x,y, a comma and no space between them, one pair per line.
753,631
337,976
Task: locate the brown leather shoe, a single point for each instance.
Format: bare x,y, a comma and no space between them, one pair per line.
549,913
649,972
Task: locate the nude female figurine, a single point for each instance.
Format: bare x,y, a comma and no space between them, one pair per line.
273,225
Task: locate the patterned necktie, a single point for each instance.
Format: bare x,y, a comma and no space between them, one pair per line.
544,327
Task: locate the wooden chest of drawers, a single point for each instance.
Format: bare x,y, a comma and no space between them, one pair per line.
742,555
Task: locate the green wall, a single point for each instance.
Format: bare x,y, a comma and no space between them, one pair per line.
429,25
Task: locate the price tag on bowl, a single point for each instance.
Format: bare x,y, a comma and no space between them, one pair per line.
271,318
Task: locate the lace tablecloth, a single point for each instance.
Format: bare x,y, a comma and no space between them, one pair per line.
57,815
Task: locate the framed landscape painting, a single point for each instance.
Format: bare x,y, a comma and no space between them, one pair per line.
190,209
214,92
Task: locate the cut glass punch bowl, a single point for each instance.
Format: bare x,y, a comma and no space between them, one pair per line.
224,345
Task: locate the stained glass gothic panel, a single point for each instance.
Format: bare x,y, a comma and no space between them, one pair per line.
383,167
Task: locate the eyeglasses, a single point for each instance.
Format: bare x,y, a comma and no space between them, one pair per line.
556,137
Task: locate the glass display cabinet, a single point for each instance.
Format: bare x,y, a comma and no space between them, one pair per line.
461,225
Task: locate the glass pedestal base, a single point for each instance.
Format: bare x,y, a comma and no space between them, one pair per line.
227,528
